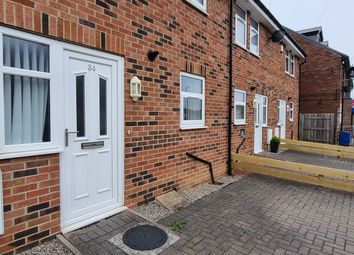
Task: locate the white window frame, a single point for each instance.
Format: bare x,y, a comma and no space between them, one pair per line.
266,112
257,32
236,103
202,7
291,111
192,124
18,150
243,21
292,65
287,64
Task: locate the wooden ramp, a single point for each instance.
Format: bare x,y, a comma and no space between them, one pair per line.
304,173
329,149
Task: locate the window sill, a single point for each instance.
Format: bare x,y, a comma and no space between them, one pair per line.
244,48
22,154
197,7
239,45
241,124
255,54
292,76
193,128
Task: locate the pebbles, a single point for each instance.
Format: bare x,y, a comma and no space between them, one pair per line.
155,212
48,248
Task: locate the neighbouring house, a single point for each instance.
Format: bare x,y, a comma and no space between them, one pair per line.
101,100
266,78
325,85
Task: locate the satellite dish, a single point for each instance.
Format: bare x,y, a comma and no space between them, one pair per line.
278,35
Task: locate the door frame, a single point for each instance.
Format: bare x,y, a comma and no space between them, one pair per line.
258,98
117,140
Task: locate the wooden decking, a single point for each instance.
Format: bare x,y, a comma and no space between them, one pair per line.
326,165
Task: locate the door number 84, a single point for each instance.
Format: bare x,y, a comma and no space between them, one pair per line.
91,68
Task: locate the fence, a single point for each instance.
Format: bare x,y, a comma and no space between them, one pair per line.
317,127
310,174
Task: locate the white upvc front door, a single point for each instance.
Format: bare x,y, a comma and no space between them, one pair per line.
258,113
282,118
91,172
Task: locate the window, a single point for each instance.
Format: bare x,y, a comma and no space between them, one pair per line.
292,65
192,89
291,111
26,88
240,107
254,37
287,61
264,111
200,4
241,27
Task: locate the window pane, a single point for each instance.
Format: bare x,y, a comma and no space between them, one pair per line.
27,109
240,112
192,85
25,54
264,119
254,41
80,105
201,1
240,32
254,24
240,97
287,64
103,107
241,13
192,108
265,101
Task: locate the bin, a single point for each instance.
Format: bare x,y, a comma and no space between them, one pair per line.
345,138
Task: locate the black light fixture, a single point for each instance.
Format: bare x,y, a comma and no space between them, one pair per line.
253,88
152,54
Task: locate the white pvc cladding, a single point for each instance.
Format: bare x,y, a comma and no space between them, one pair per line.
260,16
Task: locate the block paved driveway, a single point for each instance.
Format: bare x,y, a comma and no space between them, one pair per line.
312,159
263,215
256,215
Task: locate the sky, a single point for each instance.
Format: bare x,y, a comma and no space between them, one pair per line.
335,17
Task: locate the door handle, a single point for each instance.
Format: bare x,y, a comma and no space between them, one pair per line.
67,132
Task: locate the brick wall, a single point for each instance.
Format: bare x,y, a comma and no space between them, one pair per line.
321,78
188,40
31,201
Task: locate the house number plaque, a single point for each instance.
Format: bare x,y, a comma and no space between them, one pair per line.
92,145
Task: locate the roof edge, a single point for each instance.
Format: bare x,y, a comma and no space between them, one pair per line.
281,27
317,43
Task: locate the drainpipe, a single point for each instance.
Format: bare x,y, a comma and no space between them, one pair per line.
229,133
300,83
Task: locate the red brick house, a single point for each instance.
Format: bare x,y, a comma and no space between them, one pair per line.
325,85
79,142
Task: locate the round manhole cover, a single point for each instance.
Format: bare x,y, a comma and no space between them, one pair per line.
144,237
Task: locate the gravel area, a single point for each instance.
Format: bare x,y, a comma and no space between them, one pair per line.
48,248
155,212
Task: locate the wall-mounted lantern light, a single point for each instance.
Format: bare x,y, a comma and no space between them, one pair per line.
135,88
